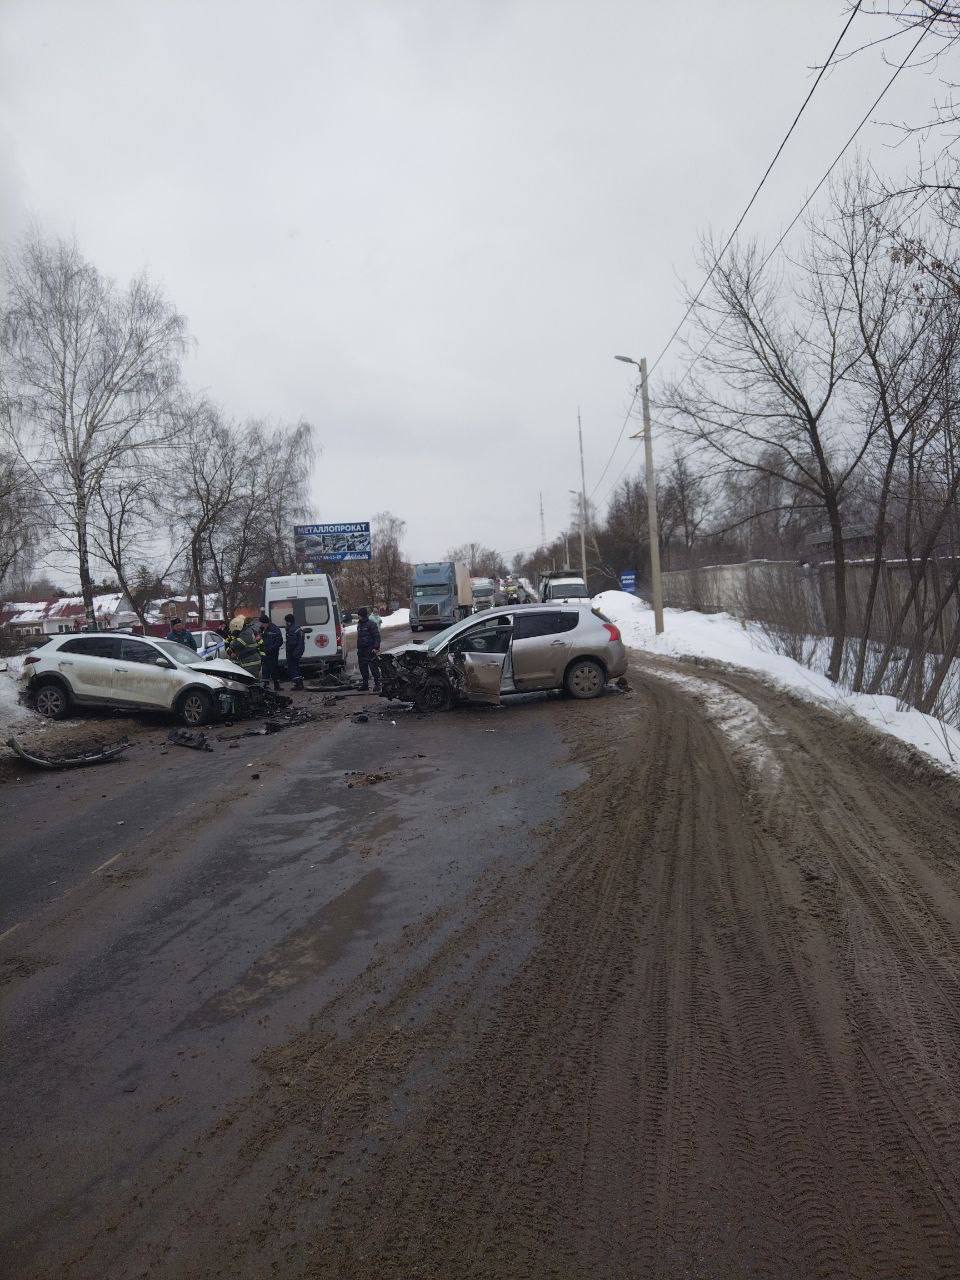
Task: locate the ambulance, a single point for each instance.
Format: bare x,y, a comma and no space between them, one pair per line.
312,599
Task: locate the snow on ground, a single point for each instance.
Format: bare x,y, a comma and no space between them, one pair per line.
720,637
399,618
743,723
12,713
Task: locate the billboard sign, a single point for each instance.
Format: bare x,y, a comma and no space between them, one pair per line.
628,582
316,544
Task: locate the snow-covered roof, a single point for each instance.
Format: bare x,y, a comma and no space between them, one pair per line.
186,606
104,606
9,608
27,613
72,606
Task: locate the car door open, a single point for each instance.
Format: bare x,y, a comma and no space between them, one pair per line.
479,655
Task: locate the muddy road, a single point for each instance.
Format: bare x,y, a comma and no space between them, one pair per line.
667,984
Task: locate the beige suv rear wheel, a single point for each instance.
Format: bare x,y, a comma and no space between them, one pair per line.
584,679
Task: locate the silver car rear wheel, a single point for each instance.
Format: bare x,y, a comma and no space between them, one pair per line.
52,701
584,679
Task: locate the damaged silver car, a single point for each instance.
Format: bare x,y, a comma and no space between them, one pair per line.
520,649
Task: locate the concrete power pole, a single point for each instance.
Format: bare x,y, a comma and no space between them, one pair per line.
656,583
583,504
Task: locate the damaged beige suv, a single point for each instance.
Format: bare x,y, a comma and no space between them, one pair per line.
518,649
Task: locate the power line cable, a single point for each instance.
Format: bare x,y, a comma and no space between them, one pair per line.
799,214
730,238
749,205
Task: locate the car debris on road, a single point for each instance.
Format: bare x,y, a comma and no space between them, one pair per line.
67,759
196,741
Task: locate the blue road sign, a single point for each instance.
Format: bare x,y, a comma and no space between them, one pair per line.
628,582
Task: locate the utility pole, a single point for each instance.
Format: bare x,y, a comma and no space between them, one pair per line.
543,527
656,582
583,503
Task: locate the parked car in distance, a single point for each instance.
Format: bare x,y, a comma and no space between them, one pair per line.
102,669
210,644
517,649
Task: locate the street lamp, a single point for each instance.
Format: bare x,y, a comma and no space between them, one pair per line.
656,584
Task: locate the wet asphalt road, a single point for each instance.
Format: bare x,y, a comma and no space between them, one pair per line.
164,790
170,917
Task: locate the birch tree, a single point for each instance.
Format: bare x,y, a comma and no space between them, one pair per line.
89,368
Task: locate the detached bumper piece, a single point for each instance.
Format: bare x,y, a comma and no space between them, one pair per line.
67,759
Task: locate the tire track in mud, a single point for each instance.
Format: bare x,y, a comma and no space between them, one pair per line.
709,1028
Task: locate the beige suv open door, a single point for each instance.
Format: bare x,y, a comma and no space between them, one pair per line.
479,654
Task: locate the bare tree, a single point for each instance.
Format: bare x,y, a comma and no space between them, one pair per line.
286,456
482,562
23,522
766,390
89,370
390,569
203,477
122,527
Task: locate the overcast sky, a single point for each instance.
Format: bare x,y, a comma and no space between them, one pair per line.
426,226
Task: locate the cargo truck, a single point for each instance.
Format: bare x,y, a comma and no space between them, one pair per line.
484,590
441,594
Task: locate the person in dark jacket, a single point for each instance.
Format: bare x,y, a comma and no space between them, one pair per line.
271,640
368,650
180,635
295,647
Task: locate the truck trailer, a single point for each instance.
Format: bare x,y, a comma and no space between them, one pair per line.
441,594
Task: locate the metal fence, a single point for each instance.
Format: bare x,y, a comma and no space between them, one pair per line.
800,597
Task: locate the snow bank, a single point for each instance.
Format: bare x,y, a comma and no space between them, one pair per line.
721,638
12,713
399,618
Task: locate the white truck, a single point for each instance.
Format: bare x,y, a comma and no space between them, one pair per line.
562,585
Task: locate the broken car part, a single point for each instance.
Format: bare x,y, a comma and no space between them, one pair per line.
67,759
189,738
